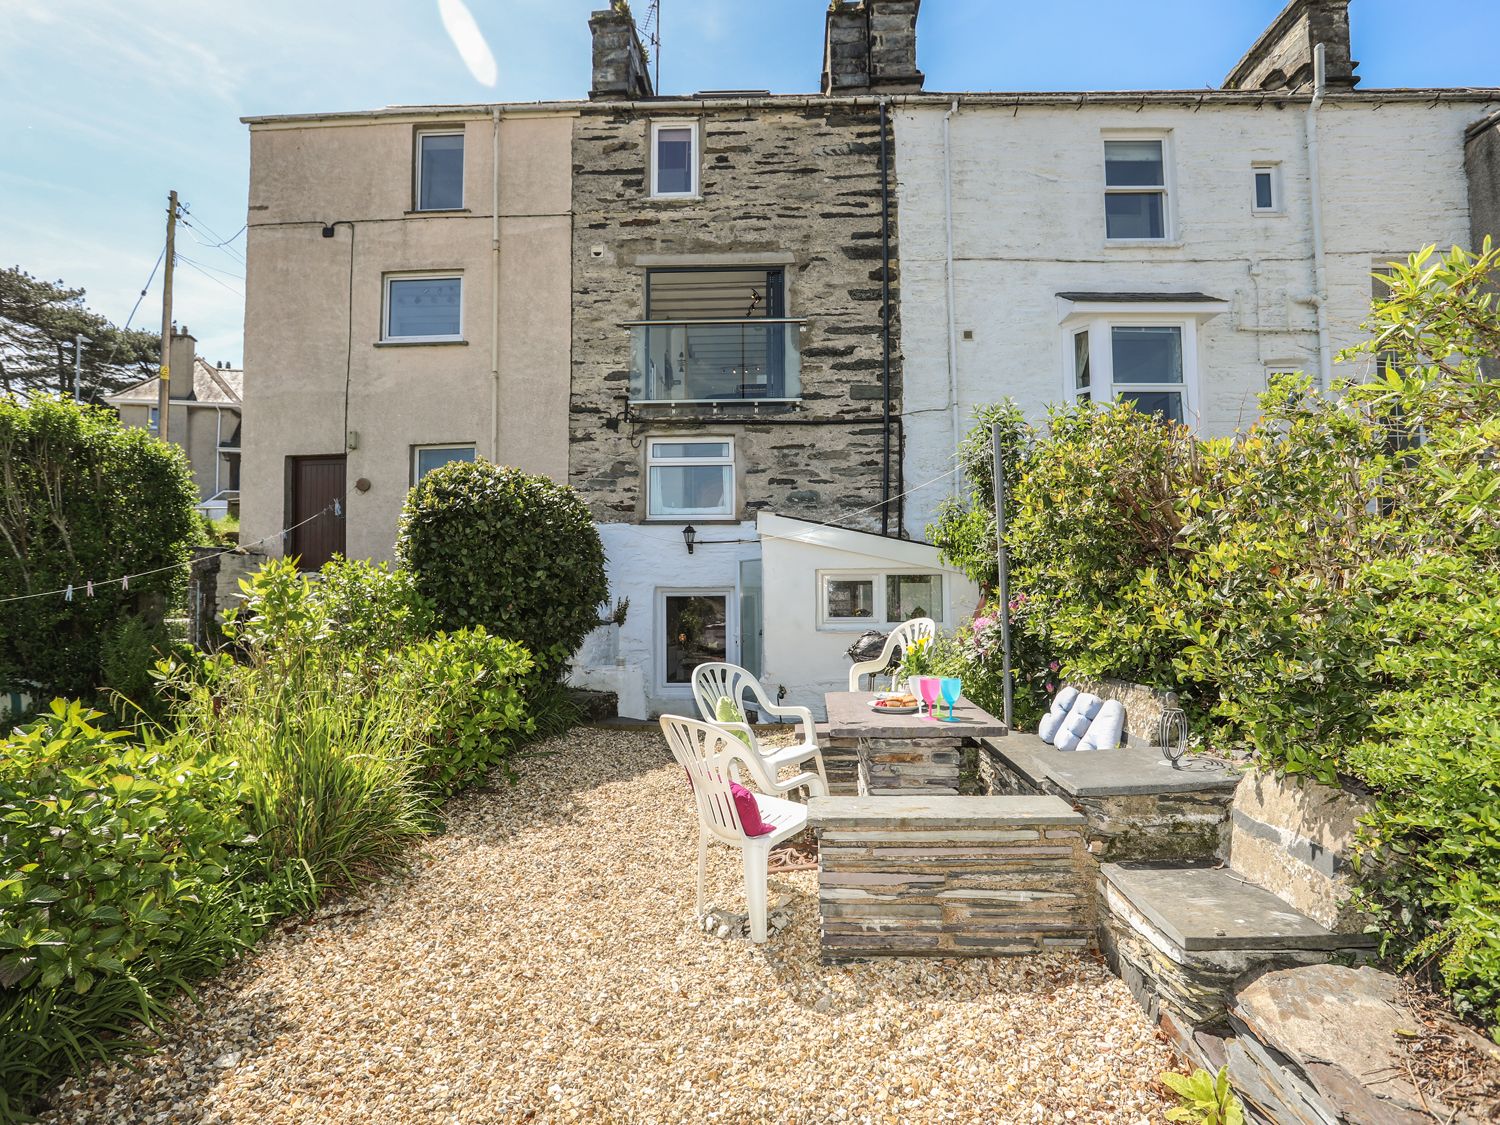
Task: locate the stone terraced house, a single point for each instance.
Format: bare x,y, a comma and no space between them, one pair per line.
750,329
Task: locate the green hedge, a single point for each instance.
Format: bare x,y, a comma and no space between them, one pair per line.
84,499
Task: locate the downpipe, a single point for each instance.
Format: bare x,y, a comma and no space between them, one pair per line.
1318,299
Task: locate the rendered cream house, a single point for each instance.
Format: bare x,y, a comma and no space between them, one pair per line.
407,304
1172,247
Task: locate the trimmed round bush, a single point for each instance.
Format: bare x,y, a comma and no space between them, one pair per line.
519,554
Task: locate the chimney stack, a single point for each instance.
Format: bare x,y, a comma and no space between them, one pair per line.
1282,58
620,71
870,47
184,353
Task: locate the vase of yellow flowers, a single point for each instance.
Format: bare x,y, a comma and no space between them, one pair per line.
916,660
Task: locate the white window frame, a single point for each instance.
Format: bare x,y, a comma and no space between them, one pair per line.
385,307
416,199
659,629
695,159
676,462
153,419
1271,168
1167,190
1102,388
829,623
417,450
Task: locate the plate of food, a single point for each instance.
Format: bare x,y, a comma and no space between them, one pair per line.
890,703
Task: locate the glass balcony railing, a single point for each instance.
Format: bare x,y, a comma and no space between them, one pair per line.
759,359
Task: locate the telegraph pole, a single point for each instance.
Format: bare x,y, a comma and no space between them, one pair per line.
164,392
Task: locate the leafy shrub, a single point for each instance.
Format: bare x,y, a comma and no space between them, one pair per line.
328,757
132,648
351,606
516,553
81,499
1321,589
1205,1099
473,688
117,887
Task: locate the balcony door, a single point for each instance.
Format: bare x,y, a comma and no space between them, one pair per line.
716,334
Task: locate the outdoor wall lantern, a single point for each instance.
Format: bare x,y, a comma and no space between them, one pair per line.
690,537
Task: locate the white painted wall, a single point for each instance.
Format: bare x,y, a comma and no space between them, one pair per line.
802,655
643,560
1028,189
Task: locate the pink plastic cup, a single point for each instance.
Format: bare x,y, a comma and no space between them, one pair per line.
929,687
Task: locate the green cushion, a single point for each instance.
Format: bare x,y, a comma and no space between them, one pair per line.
726,711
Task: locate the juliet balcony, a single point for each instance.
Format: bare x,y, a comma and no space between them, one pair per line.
716,361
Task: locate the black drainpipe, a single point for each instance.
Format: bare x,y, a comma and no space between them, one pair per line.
885,310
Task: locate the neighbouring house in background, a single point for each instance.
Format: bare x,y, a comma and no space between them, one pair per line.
1175,248
206,404
407,304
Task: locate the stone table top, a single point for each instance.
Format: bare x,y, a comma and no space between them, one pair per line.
850,716
1132,770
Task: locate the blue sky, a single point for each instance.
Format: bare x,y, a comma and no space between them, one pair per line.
109,103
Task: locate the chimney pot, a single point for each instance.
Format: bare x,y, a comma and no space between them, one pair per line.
870,46
1282,58
620,71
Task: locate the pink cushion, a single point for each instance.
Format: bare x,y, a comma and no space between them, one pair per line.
745,804
747,807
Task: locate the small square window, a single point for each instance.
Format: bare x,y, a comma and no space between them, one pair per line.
1135,190
674,159
689,477
425,458
1266,184
423,308
440,171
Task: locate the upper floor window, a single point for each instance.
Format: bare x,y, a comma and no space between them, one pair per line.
674,159
440,170
1266,185
425,458
1149,365
423,308
1135,189
715,335
689,477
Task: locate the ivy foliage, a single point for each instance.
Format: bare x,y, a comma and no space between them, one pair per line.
82,498
516,553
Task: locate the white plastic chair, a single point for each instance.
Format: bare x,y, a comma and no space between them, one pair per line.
708,753
716,681
901,637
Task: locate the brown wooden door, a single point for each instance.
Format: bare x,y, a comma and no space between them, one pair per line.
316,486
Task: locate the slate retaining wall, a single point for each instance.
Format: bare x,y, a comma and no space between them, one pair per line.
951,876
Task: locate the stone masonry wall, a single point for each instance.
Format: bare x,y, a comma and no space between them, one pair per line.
951,876
795,187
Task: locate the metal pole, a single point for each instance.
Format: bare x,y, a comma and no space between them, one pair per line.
78,367
1002,560
163,394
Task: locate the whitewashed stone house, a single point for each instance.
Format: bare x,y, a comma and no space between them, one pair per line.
1173,247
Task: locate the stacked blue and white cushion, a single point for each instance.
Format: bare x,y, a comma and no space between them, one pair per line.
1080,720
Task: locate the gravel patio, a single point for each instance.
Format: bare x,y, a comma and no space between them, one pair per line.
540,964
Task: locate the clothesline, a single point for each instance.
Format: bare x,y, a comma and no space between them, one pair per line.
88,587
